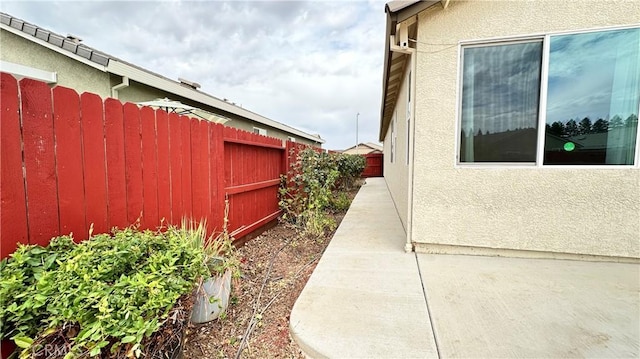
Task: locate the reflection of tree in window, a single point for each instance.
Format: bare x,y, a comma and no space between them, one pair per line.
500,94
593,76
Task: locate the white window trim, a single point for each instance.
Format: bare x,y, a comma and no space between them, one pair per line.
394,130
259,131
505,40
409,116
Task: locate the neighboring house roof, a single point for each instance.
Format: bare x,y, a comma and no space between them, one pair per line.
394,61
71,47
365,148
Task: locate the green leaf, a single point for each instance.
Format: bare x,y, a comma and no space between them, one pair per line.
128,339
37,250
23,342
95,351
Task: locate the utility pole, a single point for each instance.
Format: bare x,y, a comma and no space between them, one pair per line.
357,115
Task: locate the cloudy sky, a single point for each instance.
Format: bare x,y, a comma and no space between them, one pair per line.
310,64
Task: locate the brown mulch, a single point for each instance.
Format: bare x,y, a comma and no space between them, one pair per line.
276,266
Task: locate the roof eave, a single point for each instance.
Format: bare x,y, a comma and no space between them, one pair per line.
149,78
403,11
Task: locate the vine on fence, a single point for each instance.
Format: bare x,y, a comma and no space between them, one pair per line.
315,184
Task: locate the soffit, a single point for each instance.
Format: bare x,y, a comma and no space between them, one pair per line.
395,62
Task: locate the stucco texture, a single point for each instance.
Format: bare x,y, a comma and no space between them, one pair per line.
84,78
71,73
584,210
397,172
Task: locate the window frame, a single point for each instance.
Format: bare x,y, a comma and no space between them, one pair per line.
408,119
394,134
261,131
542,105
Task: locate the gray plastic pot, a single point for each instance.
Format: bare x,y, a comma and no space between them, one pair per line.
212,298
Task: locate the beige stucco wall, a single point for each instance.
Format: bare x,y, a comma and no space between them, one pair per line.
71,73
564,210
396,173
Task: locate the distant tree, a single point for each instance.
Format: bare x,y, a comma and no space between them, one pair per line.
479,132
556,128
571,128
600,126
616,121
631,121
585,126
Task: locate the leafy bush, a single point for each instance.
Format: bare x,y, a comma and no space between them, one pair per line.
116,289
340,202
313,186
350,168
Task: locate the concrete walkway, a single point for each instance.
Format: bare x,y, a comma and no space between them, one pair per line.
367,298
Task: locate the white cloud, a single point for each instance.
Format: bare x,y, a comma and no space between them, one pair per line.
312,65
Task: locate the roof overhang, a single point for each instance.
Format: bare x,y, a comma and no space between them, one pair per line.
395,61
113,65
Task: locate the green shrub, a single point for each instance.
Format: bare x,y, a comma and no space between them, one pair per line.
117,289
340,202
350,168
313,186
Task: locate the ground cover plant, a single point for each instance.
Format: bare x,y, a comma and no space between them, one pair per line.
105,296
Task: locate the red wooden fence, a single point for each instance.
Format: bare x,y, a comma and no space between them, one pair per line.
70,161
374,165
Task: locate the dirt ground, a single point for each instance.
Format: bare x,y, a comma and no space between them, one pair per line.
276,266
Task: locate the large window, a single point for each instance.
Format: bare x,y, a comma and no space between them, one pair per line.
592,94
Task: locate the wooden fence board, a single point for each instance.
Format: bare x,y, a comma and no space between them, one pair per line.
187,195
204,172
175,148
133,162
164,174
13,206
71,198
217,175
115,159
150,218
94,163
196,166
39,158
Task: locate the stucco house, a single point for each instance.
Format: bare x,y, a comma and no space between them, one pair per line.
511,127
363,149
34,52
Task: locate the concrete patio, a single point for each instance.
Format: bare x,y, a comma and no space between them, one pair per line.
367,298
